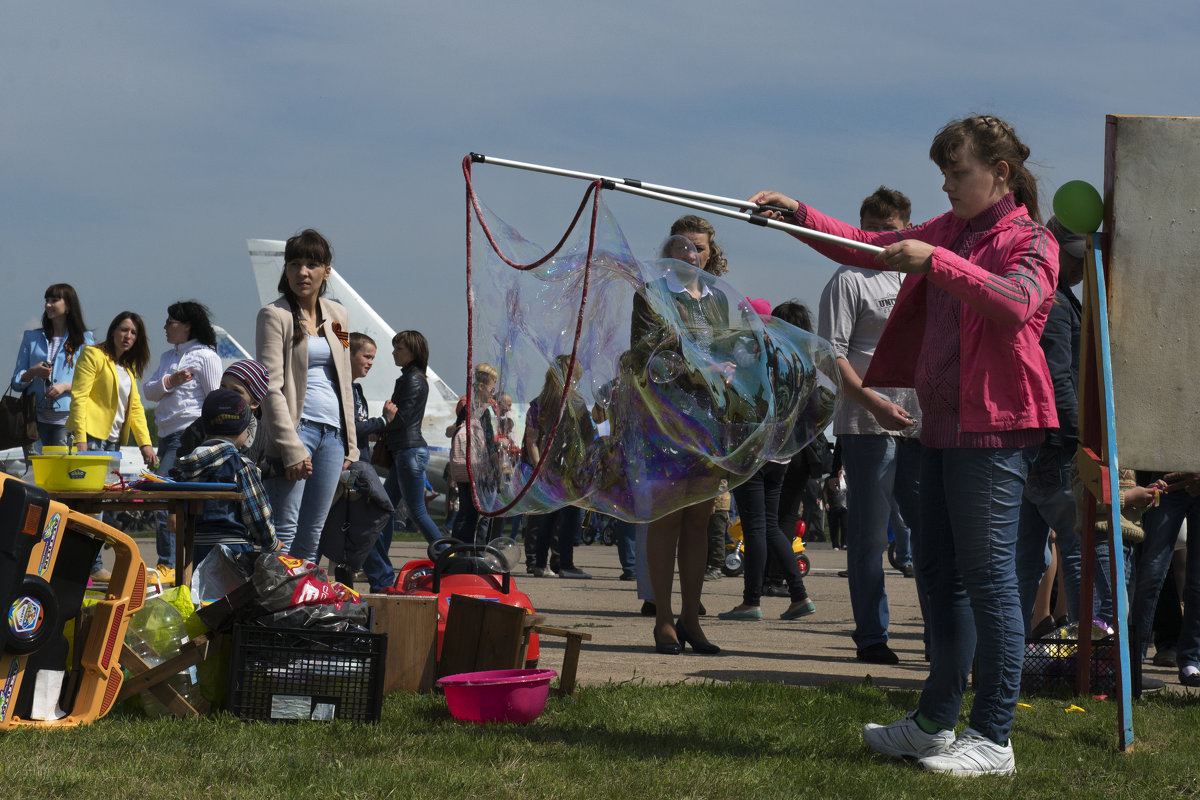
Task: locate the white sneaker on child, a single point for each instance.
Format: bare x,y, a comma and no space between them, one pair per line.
905,739
972,753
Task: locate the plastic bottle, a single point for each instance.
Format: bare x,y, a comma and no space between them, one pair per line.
156,633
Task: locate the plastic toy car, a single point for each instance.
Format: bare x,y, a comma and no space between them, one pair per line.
46,555
735,551
453,568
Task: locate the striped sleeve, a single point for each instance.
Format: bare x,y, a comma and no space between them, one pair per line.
1009,293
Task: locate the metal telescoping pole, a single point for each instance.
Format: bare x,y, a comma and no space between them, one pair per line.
685,197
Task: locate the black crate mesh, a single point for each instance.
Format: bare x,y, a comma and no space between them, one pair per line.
1050,664
278,674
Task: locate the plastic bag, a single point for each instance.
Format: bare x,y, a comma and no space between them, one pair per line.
220,573
284,582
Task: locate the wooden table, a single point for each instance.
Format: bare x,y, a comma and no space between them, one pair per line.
186,505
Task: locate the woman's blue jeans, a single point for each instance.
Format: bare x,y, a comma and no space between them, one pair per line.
406,481
1048,504
107,517
300,507
1162,529
758,505
466,519
51,435
965,560
168,449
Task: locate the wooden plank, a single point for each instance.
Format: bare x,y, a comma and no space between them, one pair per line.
481,635
411,627
164,692
570,665
1093,473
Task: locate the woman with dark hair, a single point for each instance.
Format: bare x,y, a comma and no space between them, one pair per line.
407,447
46,361
303,340
185,375
758,503
105,405
408,454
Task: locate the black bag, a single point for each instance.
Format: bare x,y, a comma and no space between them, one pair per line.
818,456
18,420
356,518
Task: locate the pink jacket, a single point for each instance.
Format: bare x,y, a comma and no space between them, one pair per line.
1006,289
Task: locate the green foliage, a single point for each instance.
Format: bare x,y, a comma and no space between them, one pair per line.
622,741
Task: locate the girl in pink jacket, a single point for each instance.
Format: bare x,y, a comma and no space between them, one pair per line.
964,332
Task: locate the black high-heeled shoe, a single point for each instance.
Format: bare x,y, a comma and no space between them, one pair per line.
666,646
703,648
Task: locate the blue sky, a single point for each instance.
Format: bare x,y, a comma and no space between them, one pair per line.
142,143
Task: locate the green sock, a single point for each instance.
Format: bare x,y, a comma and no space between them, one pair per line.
928,725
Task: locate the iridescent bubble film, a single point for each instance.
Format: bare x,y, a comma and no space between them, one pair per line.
620,391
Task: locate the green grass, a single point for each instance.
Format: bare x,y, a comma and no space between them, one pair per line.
680,741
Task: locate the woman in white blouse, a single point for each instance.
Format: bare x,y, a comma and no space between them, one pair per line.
185,375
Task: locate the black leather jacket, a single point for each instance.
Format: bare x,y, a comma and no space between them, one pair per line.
410,394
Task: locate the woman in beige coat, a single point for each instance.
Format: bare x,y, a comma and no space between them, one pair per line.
304,342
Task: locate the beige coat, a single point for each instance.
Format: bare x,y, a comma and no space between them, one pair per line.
287,366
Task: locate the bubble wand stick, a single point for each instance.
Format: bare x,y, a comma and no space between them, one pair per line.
685,197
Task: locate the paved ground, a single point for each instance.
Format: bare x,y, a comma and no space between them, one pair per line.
811,651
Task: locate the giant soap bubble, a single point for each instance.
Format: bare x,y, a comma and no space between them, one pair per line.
610,395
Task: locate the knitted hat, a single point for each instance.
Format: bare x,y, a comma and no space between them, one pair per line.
760,305
225,413
252,375
1071,243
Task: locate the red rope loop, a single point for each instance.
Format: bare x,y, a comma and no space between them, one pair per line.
473,207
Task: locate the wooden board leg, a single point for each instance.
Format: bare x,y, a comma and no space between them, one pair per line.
570,665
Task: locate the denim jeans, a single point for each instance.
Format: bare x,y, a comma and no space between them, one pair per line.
625,534
965,558
378,564
1162,529
107,517
901,534
164,537
878,468
406,481
466,519
566,522
50,435
758,504
1048,503
300,507
200,552
1102,605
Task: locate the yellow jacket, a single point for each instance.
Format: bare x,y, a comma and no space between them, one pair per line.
94,399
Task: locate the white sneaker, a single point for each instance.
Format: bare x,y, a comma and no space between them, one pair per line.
905,739
972,753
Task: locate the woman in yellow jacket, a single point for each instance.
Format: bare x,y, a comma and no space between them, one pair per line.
105,405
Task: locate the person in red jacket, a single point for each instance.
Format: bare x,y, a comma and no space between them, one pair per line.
979,283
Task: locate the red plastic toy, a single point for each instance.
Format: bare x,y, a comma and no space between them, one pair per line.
453,568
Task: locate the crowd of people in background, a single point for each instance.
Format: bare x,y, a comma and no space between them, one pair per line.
958,353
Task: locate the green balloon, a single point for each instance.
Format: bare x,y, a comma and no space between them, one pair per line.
1079,207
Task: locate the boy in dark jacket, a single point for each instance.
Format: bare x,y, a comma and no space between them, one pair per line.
240,525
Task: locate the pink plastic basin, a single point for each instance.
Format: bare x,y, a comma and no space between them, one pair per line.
498,695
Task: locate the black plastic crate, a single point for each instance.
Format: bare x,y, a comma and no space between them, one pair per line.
1050,665
287,674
